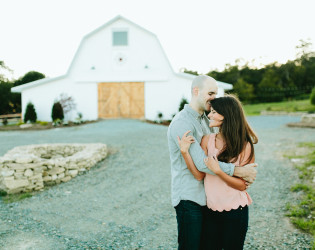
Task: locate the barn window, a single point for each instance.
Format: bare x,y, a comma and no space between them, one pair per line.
120,38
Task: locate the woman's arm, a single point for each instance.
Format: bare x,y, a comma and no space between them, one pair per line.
233,182
184,144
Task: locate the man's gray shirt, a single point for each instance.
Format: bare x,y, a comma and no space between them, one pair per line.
184,184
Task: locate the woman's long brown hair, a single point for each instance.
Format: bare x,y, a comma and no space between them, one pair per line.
235,129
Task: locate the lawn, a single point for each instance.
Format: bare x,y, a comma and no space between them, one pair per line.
288,106
302,213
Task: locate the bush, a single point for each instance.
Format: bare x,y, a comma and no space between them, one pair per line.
5,121
30,113
160,116
57,112
79,120
313,96
182,103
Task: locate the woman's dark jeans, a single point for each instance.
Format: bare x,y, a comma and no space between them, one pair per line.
225,230
189,217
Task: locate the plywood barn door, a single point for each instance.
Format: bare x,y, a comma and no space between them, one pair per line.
121,100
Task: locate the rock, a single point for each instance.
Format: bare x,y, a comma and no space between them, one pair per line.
26,125
67,178
10,178
28,173
60,176
73,173
47,178
7,173
15,166
19,175
56,171
24,160
13,185
309,118
297,160
38,171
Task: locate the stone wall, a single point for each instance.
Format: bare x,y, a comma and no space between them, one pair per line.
309,118
31,167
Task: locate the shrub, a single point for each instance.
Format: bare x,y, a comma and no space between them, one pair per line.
5,121
313,96
67,103
57,112
57,122
182,103
30,113
160,116
79,120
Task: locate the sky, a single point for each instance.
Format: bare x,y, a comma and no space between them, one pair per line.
200,35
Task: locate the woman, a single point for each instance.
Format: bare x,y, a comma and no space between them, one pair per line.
226,219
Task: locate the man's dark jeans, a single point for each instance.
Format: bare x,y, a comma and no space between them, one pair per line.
189,217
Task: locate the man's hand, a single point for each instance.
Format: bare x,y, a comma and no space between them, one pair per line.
247,172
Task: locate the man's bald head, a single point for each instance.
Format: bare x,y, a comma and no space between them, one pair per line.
203,89
199,82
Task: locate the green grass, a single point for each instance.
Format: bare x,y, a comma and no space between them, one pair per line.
288,106
9,198
302,214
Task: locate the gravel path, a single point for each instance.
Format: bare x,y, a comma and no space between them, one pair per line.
124,202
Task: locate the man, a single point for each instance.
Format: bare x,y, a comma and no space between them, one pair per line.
188,194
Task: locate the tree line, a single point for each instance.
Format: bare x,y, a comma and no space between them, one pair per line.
275,82
10,103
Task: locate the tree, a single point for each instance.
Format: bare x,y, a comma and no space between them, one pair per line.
4,68
304,50
244,90
269,89
57,112
230,74
313,96
30,113
5,98
190,72
29,77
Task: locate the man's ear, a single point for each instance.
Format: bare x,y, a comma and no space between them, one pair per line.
195,91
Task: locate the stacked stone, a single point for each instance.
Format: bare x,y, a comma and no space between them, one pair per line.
28,168
309,119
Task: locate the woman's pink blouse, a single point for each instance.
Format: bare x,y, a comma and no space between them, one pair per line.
221,196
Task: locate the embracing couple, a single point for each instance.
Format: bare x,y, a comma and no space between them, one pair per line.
211,171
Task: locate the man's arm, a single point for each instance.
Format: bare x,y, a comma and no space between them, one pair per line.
247,172
178,128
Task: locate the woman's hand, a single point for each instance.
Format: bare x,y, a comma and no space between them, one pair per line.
185,142
213,164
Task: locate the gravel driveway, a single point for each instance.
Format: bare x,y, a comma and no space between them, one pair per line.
124,201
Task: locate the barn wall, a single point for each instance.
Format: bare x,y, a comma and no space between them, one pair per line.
43,97
165,97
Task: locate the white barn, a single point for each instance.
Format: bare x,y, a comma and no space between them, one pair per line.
120,70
